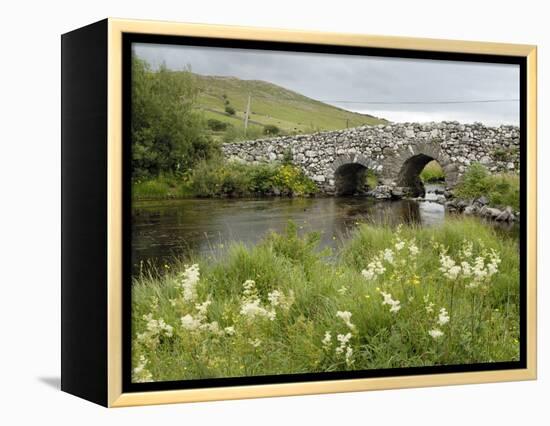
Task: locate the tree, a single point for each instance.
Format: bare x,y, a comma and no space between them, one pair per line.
167,130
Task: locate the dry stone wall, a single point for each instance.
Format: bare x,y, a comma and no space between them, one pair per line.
397,152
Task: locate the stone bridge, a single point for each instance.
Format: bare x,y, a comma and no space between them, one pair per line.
397,153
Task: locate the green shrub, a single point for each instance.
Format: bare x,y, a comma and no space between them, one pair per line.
217,125
287,156
261,178
291,178
230,110
370,179
218,178
432,173
168,131
224,179
501,189
270,129
502,154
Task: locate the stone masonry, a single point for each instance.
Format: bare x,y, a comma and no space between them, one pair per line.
397,152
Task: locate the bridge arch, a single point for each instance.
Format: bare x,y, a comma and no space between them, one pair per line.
409,162
349,171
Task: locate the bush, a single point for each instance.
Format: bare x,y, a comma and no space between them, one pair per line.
291,178
287,156
501,189
370,179
167,130
223,179
271,129
217,125
230,110
502,154
432,173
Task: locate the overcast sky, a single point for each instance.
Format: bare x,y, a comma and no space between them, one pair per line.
359,79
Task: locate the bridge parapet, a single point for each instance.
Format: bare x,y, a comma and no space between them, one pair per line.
397,152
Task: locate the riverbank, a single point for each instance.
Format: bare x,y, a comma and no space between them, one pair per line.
221,179
393,298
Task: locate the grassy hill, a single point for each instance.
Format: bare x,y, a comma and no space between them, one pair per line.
274,105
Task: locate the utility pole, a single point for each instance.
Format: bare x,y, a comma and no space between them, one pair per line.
246,115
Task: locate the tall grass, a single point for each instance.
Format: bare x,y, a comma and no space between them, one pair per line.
389,300
161,187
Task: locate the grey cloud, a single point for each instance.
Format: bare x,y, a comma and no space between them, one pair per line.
335,78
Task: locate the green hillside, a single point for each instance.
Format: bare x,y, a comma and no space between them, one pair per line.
273,105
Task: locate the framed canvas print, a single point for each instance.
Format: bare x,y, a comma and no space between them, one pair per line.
254,212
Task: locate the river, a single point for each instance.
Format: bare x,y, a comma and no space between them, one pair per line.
162,230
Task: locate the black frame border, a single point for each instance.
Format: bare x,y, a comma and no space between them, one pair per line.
129,38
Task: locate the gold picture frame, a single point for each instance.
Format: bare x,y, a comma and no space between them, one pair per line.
115,397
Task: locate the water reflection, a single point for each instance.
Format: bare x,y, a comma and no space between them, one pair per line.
162,230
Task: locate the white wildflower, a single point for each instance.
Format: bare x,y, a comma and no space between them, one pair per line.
443,317
154,303
374,269
492,266
395,305
229,331
140,374
467,249
255,343
155,329
253,309
368,274
327,340
274,297
344,349
346,317
202,309
349,356
388,256
436,333
342,290
466,269
343,339
413,249
449,267
190,323
399,245
249,287
479,272
190,279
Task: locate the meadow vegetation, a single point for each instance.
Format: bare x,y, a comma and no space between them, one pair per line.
500,189
271,105
391,298
219,178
